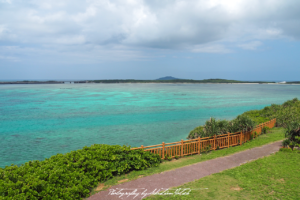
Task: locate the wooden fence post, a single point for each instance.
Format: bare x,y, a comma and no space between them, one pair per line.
163,150
199,143
214,142
228,139
142,146
241,138
181,148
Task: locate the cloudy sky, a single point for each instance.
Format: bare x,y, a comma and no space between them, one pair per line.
107,39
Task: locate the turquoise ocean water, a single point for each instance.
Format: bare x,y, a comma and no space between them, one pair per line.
38,121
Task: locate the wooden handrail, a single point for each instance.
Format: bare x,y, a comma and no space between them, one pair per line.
196,146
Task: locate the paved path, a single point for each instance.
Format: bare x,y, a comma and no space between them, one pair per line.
185,174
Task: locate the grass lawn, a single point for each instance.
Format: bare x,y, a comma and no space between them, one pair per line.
276,134
273,177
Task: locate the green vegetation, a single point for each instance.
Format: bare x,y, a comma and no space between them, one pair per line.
273,177
293,82
287,115
71,175
213,127
265,130
276,134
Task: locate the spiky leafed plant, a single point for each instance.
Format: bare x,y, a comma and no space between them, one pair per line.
215,127
292,131
223,126
242,123
211,127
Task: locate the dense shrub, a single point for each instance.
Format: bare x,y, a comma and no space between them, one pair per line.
71,175
196,132
285,114
219,127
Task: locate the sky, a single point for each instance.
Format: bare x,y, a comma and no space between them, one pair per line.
139,39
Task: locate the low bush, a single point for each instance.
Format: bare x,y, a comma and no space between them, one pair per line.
71,175
196,132
265,130
293,144
286,150
168,157
285,142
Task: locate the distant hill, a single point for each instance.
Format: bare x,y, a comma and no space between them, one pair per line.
167,78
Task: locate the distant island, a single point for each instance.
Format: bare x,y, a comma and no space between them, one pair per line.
166,79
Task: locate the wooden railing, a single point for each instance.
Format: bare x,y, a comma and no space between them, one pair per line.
198,145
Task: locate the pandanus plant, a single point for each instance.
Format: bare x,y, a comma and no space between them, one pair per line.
211,127
214,127
241,123
292,131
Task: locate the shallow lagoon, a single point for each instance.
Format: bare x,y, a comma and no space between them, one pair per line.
38,121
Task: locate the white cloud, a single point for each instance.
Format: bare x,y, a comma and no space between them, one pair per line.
10,58
211,48
5,1
71,40
250,45
195,25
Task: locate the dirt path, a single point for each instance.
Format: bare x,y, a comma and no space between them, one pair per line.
183,175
